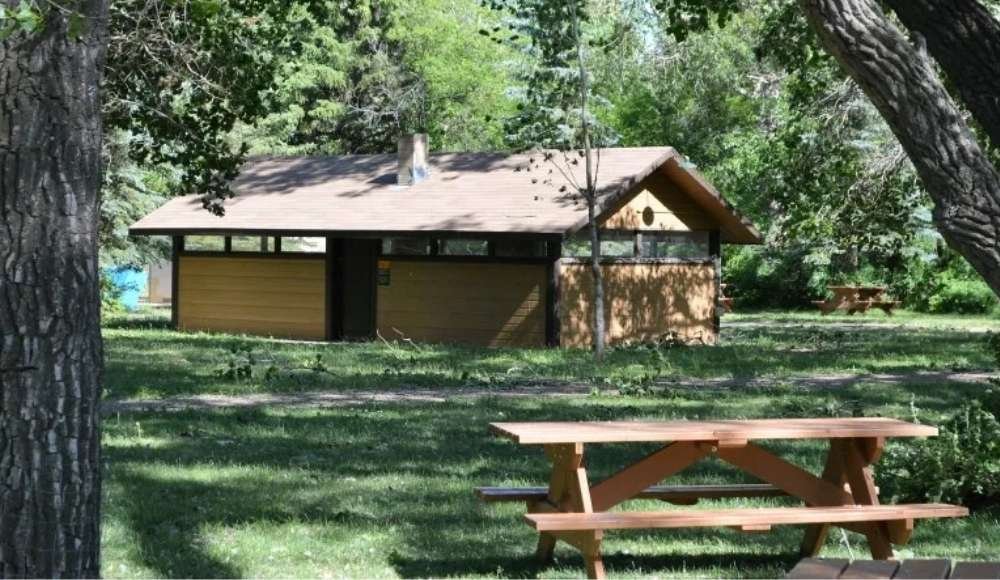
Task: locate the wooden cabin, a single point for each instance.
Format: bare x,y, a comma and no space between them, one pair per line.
479,248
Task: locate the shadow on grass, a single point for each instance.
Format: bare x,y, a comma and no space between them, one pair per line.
184,483
524,566
144,362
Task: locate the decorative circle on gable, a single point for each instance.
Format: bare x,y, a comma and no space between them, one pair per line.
648,216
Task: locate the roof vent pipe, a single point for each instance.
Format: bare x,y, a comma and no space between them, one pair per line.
412,159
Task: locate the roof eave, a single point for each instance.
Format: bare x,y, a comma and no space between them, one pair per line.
741,230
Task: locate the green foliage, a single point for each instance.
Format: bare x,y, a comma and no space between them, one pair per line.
25,19
179,75
943,282
242,364
771,278
993,348
556,92
962,297
111,294
129,193
466,76
961,465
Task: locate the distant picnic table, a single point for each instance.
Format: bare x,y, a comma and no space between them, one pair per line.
856,299
577,512
725,300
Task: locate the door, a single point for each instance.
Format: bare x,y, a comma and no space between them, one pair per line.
356,282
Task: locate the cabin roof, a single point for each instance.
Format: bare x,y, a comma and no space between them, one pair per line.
478,193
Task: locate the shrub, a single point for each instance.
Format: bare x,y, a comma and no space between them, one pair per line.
111,295
956,296
774,277
960,465
993,346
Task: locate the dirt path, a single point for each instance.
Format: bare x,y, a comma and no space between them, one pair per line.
345,398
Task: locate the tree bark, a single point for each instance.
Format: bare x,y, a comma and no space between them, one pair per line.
904,87
50,347
964,38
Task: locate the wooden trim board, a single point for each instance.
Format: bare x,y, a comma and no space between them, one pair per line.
688,518
642,431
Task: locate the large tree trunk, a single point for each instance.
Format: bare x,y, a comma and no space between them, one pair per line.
964,38
901,82
50,349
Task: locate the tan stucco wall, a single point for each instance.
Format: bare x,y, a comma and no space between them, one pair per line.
642,302
266,296
485,304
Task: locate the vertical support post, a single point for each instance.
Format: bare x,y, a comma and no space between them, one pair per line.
227,244
553,250
177,243
373,250
277,244
332,311
715,251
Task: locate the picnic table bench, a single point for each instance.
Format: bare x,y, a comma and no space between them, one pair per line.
725,301
856,299
821,568
577,512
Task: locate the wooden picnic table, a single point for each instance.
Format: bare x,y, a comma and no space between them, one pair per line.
573,510
856,299
724,300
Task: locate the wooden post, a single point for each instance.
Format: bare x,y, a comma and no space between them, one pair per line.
715,251
175,287
553,250
332,294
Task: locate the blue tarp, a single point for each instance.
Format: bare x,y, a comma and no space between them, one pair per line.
132,284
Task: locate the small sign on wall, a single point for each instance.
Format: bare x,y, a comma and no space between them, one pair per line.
384,272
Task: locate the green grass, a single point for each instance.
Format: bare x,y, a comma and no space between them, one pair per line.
385,490
147,360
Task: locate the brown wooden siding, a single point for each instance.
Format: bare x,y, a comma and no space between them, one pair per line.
643,301
672,208
267,296
477,303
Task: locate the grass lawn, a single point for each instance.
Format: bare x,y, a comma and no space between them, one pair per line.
147,360
386,489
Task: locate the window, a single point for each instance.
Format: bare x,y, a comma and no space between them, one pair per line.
252,244
681,245
463,247
614,244
515,248
204,243
406,246
316,245
617,245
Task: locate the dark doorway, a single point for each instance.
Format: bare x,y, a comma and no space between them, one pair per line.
354,288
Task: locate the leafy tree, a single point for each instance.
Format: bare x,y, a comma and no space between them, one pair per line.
340,83
905,87
180,75
466,75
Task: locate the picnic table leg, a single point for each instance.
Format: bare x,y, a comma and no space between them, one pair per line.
569,491
833,472
859,454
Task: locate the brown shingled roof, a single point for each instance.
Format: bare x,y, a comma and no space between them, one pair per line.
465,192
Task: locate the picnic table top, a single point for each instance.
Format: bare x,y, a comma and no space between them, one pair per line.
537,433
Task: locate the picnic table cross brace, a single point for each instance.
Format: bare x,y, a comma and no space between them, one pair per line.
848,461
